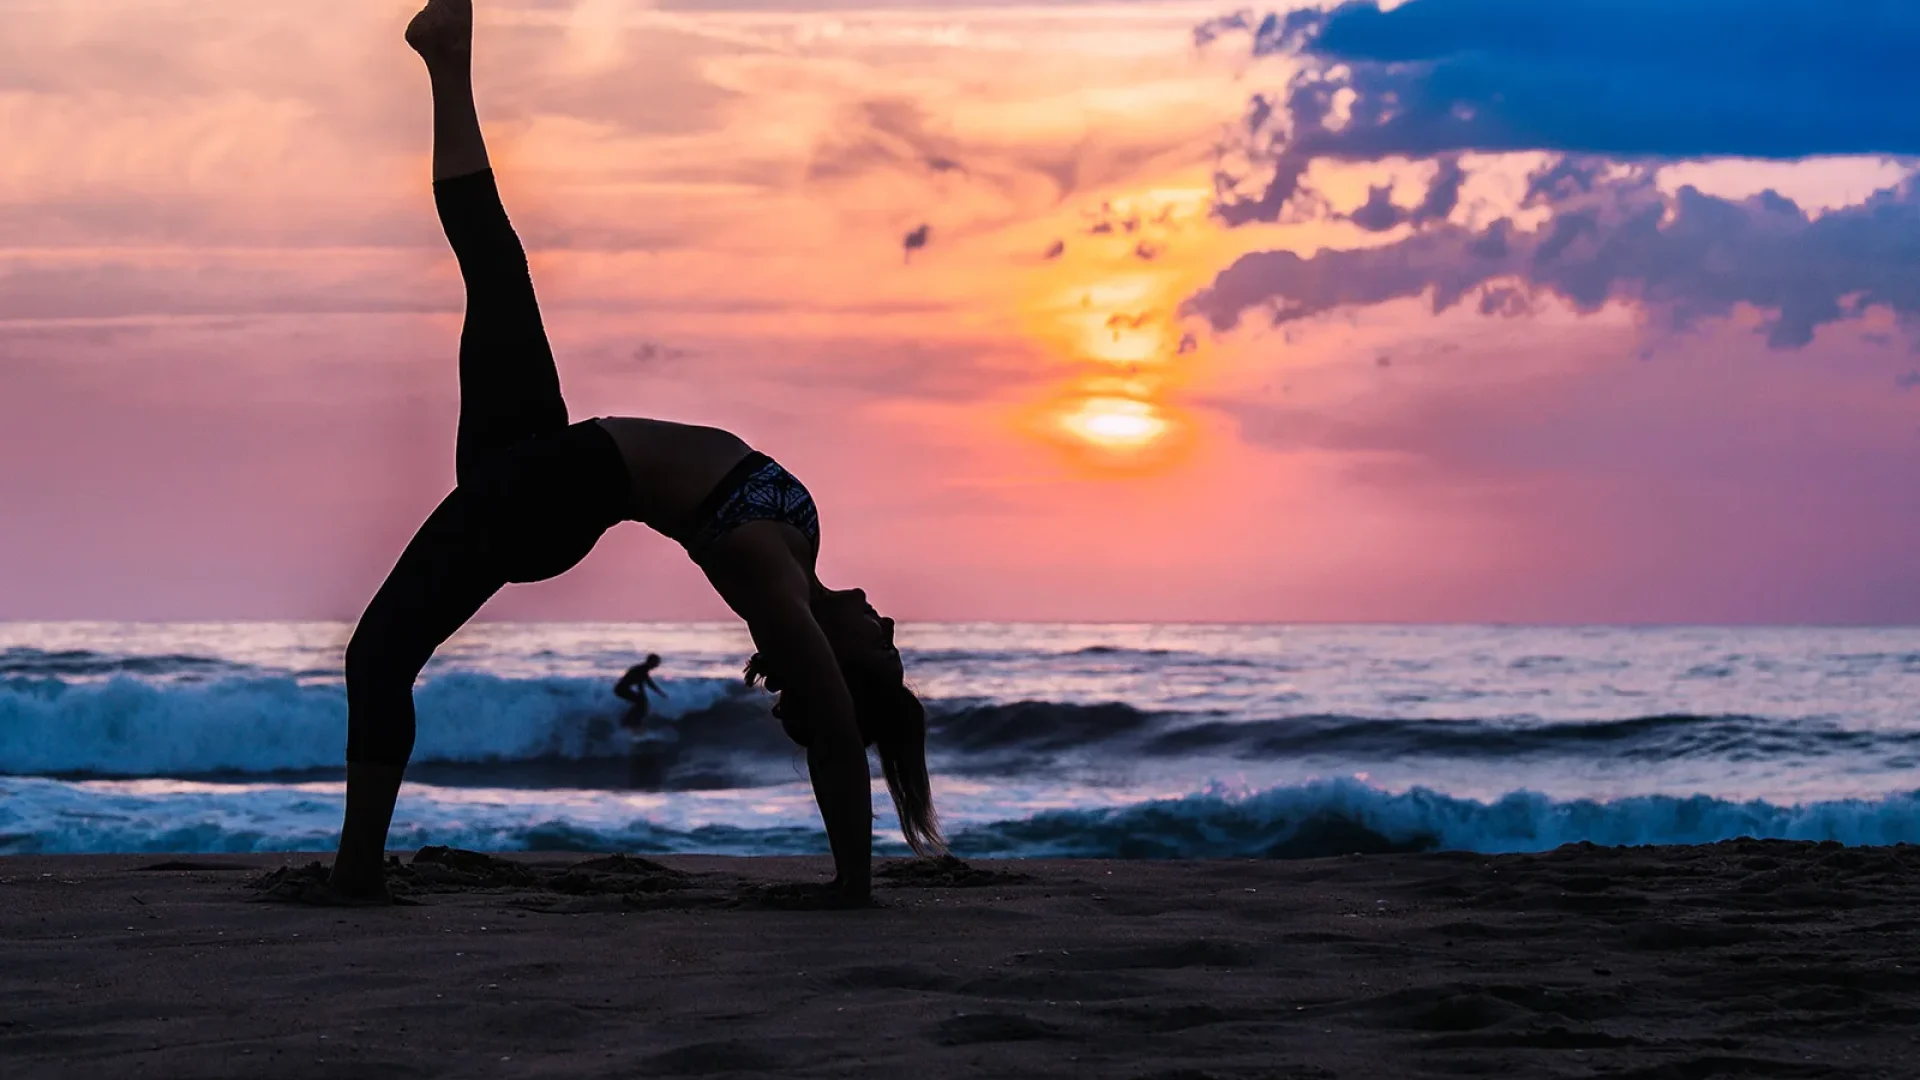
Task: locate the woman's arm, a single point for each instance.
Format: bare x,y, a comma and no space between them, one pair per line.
759,578
805,665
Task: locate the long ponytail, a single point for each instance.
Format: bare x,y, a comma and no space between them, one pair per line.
892,720
903,759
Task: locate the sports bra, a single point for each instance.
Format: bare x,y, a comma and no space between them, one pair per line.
756,489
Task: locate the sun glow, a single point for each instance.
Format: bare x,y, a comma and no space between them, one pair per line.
1116,423
1106,304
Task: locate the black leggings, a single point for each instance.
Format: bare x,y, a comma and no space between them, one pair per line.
533,495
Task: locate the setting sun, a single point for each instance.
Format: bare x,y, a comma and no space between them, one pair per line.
1116,423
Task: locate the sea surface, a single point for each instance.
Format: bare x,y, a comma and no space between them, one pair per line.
1046,740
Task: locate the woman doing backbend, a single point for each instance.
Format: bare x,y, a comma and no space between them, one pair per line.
533,495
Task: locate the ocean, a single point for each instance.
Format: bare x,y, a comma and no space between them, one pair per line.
1147,741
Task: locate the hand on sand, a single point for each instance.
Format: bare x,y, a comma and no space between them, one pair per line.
798,896
443,30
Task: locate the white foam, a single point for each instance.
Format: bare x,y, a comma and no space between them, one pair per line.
51,816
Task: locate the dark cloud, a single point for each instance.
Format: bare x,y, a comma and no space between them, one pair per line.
1379,213
1056,249
1682,257
1443,192
1666,79
648,352
916,239
1599,82
883,134
1108,220
901,137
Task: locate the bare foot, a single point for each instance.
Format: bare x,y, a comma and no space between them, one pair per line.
443,31
355,887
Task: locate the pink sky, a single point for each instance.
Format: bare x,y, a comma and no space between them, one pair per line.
228,327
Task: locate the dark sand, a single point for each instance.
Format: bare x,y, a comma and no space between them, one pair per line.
1737,960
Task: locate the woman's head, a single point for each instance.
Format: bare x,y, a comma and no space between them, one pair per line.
888,714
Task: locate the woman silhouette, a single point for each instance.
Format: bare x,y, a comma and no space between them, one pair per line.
533,495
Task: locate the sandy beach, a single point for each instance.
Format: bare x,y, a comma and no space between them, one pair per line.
1740,959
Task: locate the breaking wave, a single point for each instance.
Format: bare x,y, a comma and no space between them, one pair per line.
108,723
276,724
1302,821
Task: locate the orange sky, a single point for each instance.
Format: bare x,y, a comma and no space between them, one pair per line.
228,324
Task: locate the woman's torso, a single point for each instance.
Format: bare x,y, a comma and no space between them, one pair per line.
697,485
673,466
543,502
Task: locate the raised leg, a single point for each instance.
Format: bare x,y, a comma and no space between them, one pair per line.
509,386
442,33
440,581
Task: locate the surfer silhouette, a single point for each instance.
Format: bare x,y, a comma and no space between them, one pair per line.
633,687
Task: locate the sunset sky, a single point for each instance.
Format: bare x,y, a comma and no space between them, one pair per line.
1468,310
